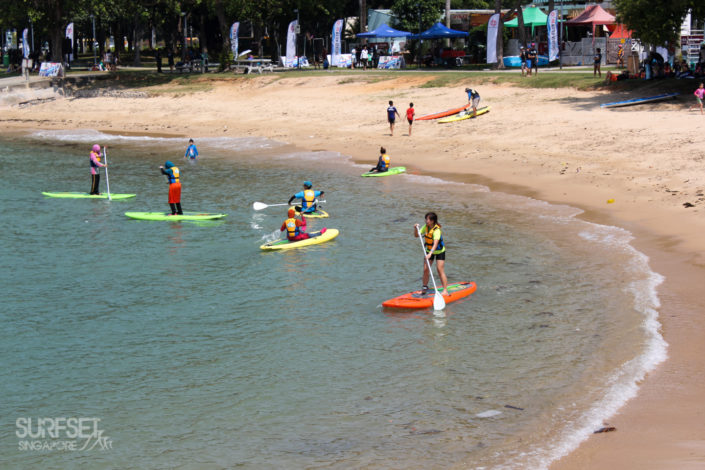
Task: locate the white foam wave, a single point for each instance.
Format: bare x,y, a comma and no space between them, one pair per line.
623,384
92,136
426,179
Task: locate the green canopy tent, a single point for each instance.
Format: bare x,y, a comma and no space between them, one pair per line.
533,17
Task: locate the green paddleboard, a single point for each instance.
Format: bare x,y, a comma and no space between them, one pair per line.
174,218
392,171
86,195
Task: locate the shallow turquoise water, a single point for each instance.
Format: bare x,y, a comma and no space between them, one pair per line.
197,350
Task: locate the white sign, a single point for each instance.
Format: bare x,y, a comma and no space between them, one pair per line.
492,27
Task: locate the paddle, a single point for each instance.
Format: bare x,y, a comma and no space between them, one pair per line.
258,206
438,302
107,180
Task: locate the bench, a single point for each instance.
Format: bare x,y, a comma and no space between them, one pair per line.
252,65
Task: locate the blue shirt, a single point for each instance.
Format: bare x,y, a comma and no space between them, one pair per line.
191,151
391,111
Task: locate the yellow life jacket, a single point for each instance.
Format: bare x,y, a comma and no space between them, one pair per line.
97,158
291,229
309,198
175,172
428,239
386,160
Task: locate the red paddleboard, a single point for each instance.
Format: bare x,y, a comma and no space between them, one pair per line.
448,112
418,299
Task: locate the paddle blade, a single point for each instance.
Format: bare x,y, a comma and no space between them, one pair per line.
439,302
258,206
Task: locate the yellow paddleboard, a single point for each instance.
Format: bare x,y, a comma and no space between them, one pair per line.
467,115
316,238
317,214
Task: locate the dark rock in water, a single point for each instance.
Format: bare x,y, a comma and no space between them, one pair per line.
548,314
514,407
605,429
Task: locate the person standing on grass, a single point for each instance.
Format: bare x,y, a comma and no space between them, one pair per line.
529,61
391,112
597,59
158,60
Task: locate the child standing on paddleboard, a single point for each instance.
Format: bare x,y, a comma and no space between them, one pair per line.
173,177
95,172
410,116
435,249
191,150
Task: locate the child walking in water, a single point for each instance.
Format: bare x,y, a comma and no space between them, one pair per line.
191,150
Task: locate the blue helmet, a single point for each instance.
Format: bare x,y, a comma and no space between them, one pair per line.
307,184
168,164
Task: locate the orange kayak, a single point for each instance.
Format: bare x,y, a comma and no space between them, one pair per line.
447,112
418,299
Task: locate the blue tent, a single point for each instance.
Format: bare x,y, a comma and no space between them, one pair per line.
440,31
385,31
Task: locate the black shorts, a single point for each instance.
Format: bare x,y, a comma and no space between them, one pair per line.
411,121
391,120
439,257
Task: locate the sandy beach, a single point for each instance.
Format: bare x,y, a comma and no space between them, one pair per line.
556,145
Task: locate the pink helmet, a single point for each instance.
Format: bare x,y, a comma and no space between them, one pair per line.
96,148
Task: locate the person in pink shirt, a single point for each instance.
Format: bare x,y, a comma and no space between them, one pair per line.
699,96
95,172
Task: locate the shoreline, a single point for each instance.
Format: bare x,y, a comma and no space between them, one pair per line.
661,427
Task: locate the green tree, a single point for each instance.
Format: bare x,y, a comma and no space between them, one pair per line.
415,14
656,21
